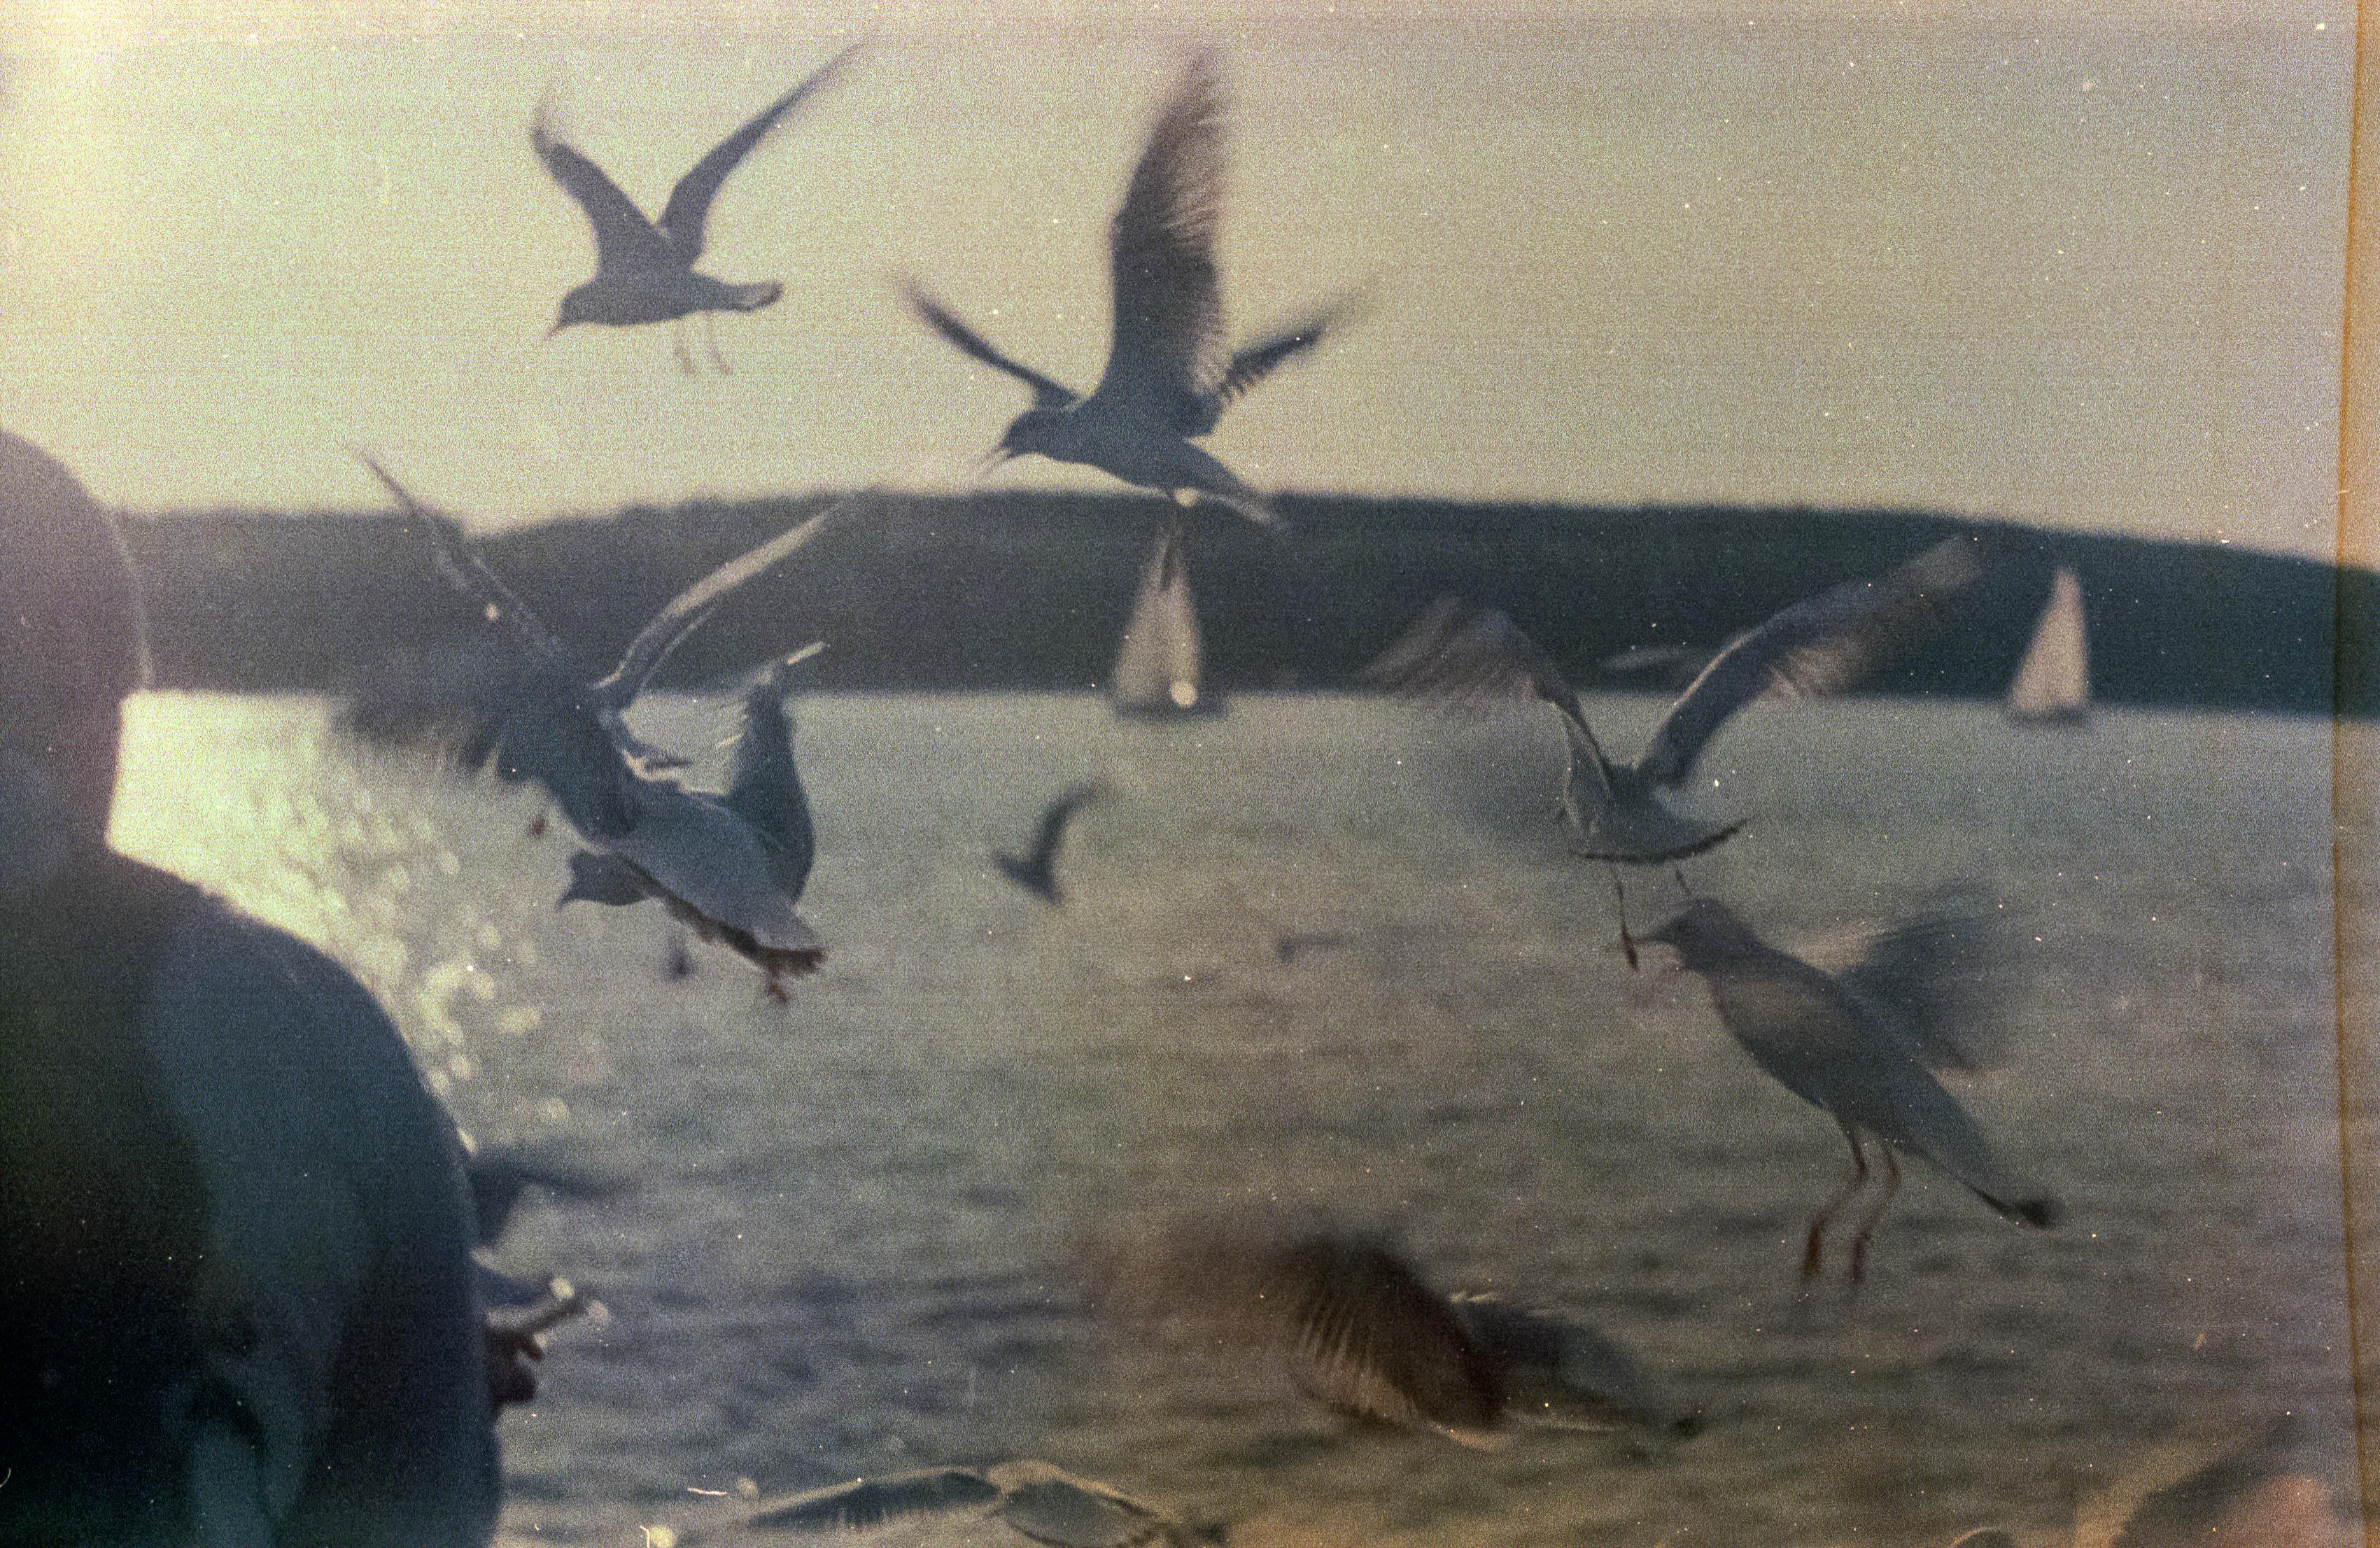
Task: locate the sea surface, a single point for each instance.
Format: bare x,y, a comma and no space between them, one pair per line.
843,1244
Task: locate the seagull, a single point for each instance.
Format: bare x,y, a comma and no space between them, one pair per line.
499,1175
1034,1502
1365,1335
730,866
1171,373
1614,811
1037,872
1849,1043
644,271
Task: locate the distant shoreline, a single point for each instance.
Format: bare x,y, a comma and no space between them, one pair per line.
1012,591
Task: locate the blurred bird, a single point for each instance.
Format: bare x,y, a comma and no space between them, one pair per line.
1857,1045
644,271
730,866
1029,1502
1037,872
1169,372
1367,1337
1826,644
499,1175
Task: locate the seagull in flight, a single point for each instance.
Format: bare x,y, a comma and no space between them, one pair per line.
644,269
1037,872
1862,1044
1171,372
1615,811
1030,1502
729,865
1366,1336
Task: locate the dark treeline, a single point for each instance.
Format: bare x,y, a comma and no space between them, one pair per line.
1010,591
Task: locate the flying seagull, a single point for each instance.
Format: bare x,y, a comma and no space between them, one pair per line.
1860,1047
1030,1502
1365,1335
731,865
1614,811
1171,372
1037,872
644,269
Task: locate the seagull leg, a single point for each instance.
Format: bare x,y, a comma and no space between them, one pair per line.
775,986
678,344
1876,1212
1811,1249
1627,942
1680,873
710,338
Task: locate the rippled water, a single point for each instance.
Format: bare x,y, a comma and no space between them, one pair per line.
844,1250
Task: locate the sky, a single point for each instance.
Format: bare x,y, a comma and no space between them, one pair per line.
2073,265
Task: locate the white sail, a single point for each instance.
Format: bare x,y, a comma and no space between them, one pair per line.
1157,669
2054,680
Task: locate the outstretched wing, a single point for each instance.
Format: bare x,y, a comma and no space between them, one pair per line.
662,633
1047,393
624,237
1252,363
1061,811
1928,975
1054,1508
1457,649
689,202
1828,644
531,714
1563,1374
1167,354
872,1502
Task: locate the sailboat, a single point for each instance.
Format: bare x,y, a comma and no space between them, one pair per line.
2053,683
1158,666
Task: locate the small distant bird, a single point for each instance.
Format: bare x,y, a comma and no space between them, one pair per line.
1031,1502
1292,945
1171,373
1365,1336
1857,1045
1614,811
730,866
1037,872
644,271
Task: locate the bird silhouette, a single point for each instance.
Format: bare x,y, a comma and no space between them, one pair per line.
1846,1044
729,865
1365,1335
644,269
1615,811
1030,1502
1037,870
1171,372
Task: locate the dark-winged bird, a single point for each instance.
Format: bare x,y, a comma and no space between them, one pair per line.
729,865
1862,1045
1615,811
644,269
1171,371
1037,872
1365,1336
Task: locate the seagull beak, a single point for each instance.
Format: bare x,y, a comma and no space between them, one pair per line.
993,458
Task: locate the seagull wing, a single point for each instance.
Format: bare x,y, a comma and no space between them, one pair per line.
662,633
1167,356
1061,811
1047,393
1826,644
681,223
872,1502
1928,975
1457,650
764,787
532,716
1048,1505
624,237
1252,363
1561,1374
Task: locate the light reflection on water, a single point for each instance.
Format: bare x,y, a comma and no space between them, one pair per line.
842,1256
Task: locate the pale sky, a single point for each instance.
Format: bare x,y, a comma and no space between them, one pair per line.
1994,260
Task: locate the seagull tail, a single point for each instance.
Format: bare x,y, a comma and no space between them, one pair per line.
2040,1210
753,297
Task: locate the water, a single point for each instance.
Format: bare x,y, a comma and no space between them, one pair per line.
845,1251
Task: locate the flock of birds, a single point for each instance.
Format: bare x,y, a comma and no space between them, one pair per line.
1358,1323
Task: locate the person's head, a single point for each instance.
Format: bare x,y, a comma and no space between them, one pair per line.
72,645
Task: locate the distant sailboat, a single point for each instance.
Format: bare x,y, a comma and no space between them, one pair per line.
2054,681
1158,666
